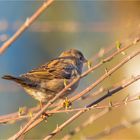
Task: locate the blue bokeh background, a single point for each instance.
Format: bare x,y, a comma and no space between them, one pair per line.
84,25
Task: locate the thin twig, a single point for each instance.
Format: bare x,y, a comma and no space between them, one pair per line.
90,120
98,81
26,24
58,129
109,58
124,125
94,117
103,89
75,97
113,91
28,113
113,105
24,113
15,116
104,76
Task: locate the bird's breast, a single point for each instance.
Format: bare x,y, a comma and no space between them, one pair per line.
38,95
48,89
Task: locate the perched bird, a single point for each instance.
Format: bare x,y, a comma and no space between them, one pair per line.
44,82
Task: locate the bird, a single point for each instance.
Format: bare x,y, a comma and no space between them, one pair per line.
44,82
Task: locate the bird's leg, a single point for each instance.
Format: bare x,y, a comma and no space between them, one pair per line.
44,115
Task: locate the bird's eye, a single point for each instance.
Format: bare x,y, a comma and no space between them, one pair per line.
81,58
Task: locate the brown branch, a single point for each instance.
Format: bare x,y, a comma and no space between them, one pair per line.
108,131
26,24
11,40
25,113
67,87
15,116
105,76
109,58
6,118
90,120
12,117
94,117
113,105
108,107
103,89
114,90
99,64
95,107
58,129
118,104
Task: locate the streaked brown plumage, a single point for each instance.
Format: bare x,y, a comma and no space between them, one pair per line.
45,82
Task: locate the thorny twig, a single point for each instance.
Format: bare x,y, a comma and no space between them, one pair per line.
90,120
75,97
25,113
90,70
94,117
14,116
108,131
26,24
20,31
7,117
58,129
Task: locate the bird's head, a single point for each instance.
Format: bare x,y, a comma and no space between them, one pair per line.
75,54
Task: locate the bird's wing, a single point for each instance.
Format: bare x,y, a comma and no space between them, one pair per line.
56,69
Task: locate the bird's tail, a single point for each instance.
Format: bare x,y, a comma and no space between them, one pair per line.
20,80
12,78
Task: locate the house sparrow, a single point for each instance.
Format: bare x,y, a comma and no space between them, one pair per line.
44,82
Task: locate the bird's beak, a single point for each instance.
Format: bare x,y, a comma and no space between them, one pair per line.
85,60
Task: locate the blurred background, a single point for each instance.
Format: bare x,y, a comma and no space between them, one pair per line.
84,25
